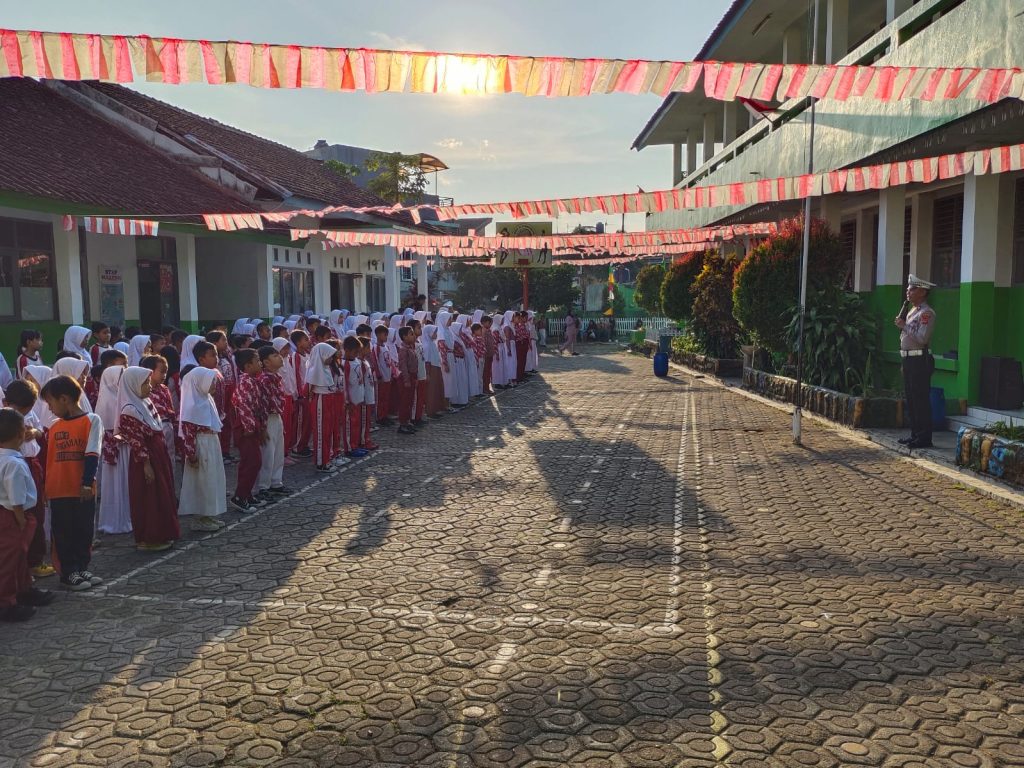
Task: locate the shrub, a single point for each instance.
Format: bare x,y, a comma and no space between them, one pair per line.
713,323
685,343
648,288
676,298
841,341
767,281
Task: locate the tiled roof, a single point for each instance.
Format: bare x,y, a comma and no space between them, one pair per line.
302,175
52,148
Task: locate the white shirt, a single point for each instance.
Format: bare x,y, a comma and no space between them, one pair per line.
30,449
17,488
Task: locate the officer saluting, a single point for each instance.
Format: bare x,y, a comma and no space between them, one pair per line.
916,327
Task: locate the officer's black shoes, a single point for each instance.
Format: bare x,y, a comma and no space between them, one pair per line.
905,440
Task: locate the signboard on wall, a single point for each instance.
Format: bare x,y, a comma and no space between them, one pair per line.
539,259
111,295
523,228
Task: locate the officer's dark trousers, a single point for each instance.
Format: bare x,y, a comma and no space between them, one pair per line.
917,377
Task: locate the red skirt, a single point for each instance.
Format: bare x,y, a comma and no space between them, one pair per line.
154,510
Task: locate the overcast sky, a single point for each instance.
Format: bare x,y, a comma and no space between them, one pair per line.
498,147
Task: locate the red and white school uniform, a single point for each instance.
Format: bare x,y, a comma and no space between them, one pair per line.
354,404
272,452
17,489
164,402
369,404
249,423
420,395
291,392
407,367
31,450
25,360
96,350
154,508
223,396
303,417
203,485
322,392
381,359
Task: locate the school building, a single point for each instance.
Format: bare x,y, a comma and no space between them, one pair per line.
966,235
100,149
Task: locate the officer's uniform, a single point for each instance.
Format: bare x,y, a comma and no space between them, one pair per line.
918,365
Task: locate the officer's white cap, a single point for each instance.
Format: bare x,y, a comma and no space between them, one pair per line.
913,281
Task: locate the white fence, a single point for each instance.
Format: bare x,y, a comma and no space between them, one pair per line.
624,326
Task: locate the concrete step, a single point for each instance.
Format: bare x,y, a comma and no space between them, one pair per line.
953,423
991,416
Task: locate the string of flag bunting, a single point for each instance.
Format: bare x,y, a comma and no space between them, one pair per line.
105,225
133,58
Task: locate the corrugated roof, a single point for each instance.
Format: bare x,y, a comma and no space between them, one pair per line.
53,148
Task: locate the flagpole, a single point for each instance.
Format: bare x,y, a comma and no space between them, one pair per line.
805,255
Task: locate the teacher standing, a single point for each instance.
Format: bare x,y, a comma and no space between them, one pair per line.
571,329
916,328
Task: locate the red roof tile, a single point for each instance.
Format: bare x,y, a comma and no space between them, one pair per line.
52,148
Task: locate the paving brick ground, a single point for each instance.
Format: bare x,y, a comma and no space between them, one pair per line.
598,569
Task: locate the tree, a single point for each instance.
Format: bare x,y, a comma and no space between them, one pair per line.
482,286
713,324
676,298
767,282
398,178
553,288
648,288
345,170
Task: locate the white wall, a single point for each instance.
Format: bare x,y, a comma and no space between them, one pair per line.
231,278
114,251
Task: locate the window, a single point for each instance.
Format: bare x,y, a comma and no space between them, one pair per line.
947,241
848,245
293,290
375,298
407,273
908,220
874,251
1018,232
27,285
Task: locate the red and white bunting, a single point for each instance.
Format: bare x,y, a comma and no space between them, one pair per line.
102,225
229,222
133,58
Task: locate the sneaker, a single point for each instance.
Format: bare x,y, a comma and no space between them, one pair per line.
155,547
405,429
36,598
256,501
341,461
280,490
419,423
75,582
205,525
264,496
17,613
326,469
42,571
243,505
92,578
304,453
229,459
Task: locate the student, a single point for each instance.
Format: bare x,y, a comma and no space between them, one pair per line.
116,337
101,337
380,356
250,428
18,598
271,478
173,381
291,393
369,396
203,485
322,388
75,339
303,428
188,359
312,323
446,359
138,348
72,455
21,396
114,509
521,334
29,346
154,509
337,406
435,384
533,357
479,353
263,331
351,423
78,370
508,337
224,390
407,367
160,395
490,347
420,395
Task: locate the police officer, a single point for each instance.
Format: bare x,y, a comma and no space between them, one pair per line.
916,323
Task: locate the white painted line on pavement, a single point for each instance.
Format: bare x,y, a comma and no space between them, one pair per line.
544,576
502,658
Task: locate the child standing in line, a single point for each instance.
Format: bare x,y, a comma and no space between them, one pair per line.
322,389
114,509
101,339
303,428
29,347
271,479
250,429
337,407
420,395
161,397
407,367
18,598
489,348
21,396
380,356
154,508
287,374
369,397
352,423
72,456
225,388
203,485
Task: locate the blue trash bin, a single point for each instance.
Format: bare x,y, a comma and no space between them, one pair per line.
937,396
661,364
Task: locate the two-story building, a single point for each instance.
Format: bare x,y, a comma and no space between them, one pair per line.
965,234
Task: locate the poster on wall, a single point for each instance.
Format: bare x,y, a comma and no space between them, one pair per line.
111,295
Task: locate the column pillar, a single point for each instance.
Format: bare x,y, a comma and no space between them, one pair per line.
322,261
392,281
691,151
188,292
837,30
894,8
710,135
730,120
67,268
423,277
892,205
677,163
265,280
864,251
922,208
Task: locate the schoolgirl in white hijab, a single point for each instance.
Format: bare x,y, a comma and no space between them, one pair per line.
39,375
446,358
187,347
137,348
462,368
509,346
203,485
114,510
77,370
75,339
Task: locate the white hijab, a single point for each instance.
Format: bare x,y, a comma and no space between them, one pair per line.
187,358
75,368
396,321
287,373
197,405
123,348
443,334
240,323
137,349
429,342
478,315
317,372
106,403
129,395
75,339
41,374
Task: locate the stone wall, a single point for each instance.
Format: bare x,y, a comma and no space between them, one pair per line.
990,455
722,368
